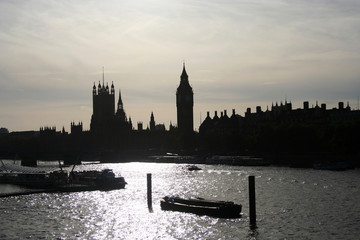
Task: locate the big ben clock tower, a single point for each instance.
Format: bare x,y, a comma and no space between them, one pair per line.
185,104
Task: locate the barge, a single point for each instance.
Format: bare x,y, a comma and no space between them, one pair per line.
200,206
61,181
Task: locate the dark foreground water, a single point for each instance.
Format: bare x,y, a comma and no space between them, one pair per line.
291,204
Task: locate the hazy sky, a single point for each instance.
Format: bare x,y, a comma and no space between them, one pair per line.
238,54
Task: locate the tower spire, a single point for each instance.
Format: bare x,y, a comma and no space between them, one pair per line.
120,103
112,88
184,74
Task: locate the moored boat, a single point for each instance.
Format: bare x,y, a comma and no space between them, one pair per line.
35,180
104,179
29,180
62,181
331,165
237,160
200,206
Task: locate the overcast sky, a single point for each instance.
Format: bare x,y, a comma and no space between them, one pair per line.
238,54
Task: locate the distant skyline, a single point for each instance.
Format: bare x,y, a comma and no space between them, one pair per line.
238,54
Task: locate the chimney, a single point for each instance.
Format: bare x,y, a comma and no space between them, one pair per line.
306,105
140,126
341,105
258,109
323,106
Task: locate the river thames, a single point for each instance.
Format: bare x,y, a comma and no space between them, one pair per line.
290,203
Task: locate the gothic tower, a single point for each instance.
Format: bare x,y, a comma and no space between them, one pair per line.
108,127
103,108
120,113
185,104
152,122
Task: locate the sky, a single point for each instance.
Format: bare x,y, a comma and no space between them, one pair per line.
237,53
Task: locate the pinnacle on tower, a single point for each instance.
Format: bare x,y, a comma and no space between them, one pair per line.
112,88
94,89
120,103
184,74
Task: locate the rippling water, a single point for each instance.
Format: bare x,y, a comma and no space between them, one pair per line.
291,204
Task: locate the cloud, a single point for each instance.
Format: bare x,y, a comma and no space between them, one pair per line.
236,53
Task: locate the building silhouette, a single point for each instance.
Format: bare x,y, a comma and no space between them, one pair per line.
279,128
282,113
103,117
283,129
107,126
184,105
76,129
152,122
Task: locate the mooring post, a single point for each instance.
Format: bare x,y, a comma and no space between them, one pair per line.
252,204
149,197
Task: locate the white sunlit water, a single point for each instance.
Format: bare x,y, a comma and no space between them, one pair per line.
291,204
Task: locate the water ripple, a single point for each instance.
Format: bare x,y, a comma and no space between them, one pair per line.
291,204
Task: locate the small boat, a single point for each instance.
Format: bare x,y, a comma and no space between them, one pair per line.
193,168
89,162
200,206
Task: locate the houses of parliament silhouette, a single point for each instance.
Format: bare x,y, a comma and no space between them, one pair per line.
107,125
280,128
105,122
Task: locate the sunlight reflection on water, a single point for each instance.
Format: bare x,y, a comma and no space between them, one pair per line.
285,197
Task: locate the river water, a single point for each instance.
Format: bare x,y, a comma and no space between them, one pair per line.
290,203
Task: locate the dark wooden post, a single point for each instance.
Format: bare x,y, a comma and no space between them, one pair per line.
149,197
252,203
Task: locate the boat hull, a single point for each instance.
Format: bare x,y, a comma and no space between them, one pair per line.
202,207
58,181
